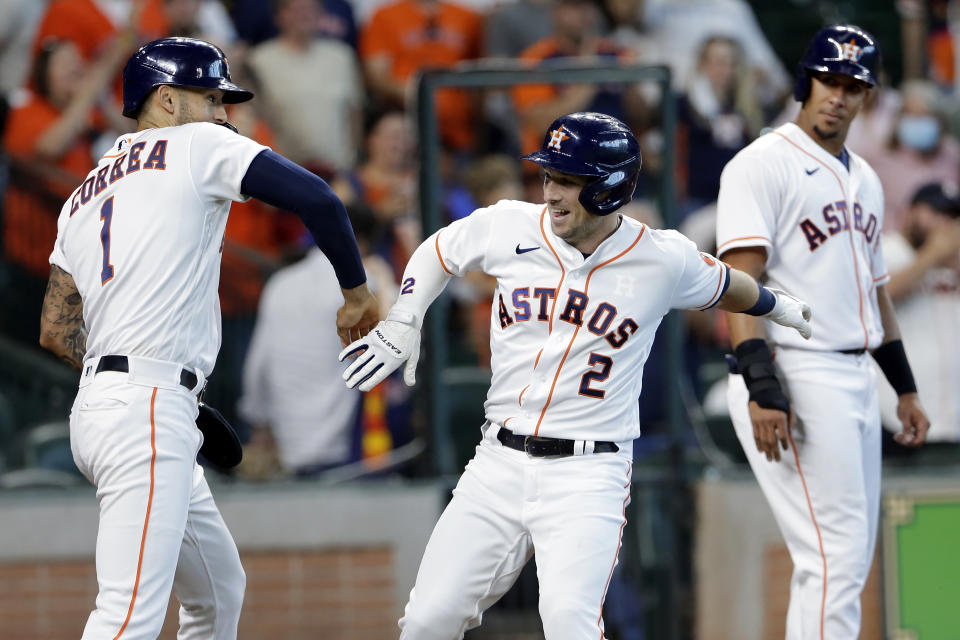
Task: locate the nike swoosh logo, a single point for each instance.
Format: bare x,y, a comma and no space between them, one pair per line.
519,250
810,172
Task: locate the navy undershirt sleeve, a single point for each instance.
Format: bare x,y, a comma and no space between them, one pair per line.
286,185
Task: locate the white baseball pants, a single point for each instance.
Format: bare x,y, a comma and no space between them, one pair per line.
825,491
134,437
570,511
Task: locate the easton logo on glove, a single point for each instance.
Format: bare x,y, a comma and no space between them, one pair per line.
380,353
387,342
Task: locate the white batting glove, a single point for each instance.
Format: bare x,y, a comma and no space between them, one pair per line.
381,352
791,312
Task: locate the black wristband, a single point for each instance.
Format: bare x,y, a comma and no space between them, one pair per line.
755,362
893,362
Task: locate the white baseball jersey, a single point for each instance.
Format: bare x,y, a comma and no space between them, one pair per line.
142,238
786,191
570,334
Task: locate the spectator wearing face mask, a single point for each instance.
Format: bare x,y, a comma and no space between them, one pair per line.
920,150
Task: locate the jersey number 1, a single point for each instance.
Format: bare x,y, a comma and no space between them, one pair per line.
106,214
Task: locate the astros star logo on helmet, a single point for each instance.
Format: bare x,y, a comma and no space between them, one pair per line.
556,137
851,51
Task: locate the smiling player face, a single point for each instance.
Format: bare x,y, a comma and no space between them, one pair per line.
569,221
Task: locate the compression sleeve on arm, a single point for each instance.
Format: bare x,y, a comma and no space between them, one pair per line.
423,280
286,185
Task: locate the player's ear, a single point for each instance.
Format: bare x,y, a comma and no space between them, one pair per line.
166,97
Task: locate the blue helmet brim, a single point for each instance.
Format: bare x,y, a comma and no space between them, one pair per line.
563,164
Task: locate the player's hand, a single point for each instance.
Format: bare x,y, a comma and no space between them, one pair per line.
791,312
770,429
914,420
381,352
358,315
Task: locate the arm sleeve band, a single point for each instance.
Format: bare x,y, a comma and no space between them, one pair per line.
765,303
755,362
893,362
286,185
424,279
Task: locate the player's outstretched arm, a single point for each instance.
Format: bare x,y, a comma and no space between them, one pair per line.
286,185
397,339
61,321
745,295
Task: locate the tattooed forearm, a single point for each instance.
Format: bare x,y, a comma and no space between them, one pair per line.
61,321
76,344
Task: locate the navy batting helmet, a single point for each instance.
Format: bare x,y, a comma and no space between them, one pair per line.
597,146
181,62
839,48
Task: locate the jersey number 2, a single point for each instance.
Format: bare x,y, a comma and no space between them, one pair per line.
106,214
599,375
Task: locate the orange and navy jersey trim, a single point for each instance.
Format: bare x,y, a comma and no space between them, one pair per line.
765,240
436,242
722,286
566,353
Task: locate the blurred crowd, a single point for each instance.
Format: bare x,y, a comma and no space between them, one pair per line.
334,83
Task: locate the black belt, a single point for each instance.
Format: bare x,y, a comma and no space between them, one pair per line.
854,352
539,447
188,378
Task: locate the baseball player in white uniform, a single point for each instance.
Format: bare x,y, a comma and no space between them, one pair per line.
801,208
580,293
132,302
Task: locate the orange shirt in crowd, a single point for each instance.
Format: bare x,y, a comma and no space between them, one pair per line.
82,22
416,38
940,56
31,210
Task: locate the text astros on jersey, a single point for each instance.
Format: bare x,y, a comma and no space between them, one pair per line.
569,334
787,191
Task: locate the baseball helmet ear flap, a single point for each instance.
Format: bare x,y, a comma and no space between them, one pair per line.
605,195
